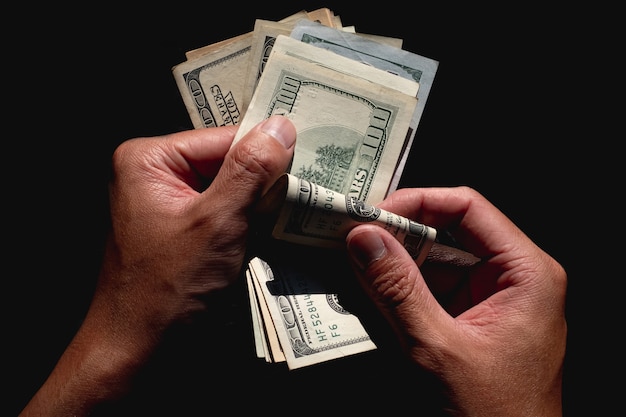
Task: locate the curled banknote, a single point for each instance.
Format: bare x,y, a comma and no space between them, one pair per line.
313,215
306,213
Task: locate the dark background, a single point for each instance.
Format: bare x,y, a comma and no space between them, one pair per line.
505,115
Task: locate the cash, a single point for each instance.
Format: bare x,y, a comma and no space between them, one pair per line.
309,214
355,100
304,314
212,81
211,86
352,121
383,56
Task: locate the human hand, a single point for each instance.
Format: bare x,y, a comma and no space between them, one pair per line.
174,240
181,205
494,334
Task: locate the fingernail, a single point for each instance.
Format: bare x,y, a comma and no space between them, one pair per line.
281,129
366,247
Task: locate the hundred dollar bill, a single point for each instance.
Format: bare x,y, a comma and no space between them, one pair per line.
388,58
309,214
265,334
305,213
264,35
310,321
258,330
211,84
352,120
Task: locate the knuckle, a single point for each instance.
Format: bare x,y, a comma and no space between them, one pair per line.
392,284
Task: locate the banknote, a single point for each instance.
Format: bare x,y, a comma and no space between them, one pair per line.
391,59
352,120
212,83
309,214
264,36
305,213
266,339
309,319
258,329
355,126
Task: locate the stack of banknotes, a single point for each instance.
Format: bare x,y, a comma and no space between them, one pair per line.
356,101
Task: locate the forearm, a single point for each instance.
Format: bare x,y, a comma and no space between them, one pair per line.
95,369
91,372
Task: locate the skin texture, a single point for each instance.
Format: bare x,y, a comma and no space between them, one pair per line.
182,207
494,334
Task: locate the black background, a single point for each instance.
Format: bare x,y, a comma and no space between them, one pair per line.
505,115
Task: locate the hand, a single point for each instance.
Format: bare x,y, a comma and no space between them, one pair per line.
494,334
180,210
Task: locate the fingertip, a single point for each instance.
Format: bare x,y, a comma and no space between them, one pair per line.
365,245
281,129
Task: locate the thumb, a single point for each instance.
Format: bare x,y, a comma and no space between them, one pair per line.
395,284
255,162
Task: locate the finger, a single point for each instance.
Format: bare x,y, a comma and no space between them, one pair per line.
184,159
481,228
476,223
205,149
395,284
254,163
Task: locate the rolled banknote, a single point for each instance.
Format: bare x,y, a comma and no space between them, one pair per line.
306,213
313,215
